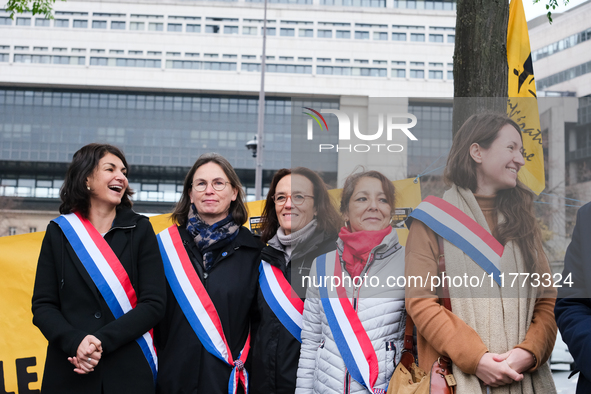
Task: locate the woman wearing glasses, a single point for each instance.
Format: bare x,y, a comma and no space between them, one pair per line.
299,224
211,267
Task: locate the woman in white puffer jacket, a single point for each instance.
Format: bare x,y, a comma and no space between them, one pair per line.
369,254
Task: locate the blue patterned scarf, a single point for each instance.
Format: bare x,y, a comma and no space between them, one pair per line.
211,237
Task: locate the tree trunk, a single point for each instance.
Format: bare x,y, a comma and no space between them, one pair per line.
480,57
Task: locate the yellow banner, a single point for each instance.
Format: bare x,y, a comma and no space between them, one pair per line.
522,106
23,347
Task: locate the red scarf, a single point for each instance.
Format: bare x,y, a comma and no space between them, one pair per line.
357,247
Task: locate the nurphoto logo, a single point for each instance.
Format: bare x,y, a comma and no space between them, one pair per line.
392,124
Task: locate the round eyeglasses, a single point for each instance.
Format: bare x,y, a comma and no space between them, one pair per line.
296,199
218,185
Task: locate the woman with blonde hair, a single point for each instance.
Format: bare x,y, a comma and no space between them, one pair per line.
496,334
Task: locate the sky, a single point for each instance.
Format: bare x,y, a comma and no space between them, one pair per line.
533,10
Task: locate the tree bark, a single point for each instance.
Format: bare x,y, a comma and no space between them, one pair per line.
480,57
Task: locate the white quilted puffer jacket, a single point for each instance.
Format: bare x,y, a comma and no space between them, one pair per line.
381,311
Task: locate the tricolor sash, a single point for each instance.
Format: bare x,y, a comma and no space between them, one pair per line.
107,273
198,307
278,294
348,332
462,231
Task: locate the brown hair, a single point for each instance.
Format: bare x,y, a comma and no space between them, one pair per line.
237,207
354,178
73,193
329,220
514,204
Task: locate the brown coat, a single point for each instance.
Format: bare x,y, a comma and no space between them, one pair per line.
440,332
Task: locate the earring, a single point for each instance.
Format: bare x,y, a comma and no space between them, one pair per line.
88,187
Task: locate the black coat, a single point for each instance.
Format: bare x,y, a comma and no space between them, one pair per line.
67,306
185,365
275,352
573,307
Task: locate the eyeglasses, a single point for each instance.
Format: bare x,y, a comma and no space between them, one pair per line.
218,184
296,199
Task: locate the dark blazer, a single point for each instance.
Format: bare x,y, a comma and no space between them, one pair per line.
573,307
67,306
185,365
275,352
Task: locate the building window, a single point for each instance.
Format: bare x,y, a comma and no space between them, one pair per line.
193,28
32,229
212,29
80,24
306,33
435,74
175,27
230,29
99,24
11,230
136,26
271,31
450,74
5,20
23,21
398,36
361,35
398,73
435,37
451,39
117,25
417,37
380,36
286,32
343,34
417,73
249,30
61,23
40,22
154,26
136,53
324,34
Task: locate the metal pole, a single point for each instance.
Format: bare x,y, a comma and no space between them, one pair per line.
258,180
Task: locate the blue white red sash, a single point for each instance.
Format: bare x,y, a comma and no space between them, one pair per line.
462,231
198,307
348,332
107,273
278,294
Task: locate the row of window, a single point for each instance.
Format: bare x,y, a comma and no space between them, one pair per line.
561,45
214,28
563,76
22,57
229,66
271,31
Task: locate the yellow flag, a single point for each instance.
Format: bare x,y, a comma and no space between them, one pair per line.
522,105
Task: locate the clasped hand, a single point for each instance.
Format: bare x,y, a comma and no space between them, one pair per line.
87,356
499,369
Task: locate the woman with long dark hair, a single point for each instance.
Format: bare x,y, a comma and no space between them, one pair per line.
211,265
299,224
99,288
497,334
